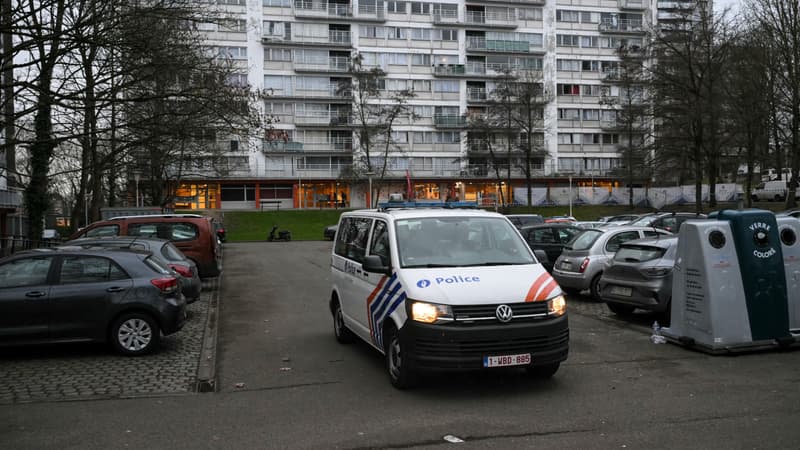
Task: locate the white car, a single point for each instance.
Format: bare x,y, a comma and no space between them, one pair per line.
437,288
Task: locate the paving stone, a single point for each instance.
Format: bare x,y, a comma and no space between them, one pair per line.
75,371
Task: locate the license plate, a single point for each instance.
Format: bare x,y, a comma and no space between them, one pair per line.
507,360
619,290
566,265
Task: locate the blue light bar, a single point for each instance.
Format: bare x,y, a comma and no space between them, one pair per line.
446,205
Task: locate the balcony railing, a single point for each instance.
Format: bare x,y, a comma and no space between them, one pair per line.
449,121
324,118
371,12
631,4
501,18
449,70
333,90
622,25
338,145
476,94
307,8
282,146
489,45
334,64
334,37
10,199
445,17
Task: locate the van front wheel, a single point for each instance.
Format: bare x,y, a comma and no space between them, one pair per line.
400,374
343,334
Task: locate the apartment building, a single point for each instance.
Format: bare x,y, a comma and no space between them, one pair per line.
450,53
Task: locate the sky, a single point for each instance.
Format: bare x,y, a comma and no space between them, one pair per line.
720,5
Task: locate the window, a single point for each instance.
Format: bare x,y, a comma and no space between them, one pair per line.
380,242
351,240
568,65
279,3
567,16
590,138
421,34
233,25
590,66
420,59
591,114
445,86
396,59
89,269
569,114
172,231
567,40
396,33
529,13
233,52
542,236
25,272
104,230
610,139
396,7
421,86
277,54
422,111
420,8
615,241
589,41
568,89
447,34
569,138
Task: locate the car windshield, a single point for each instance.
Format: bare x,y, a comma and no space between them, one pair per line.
584,240
459,242
638,253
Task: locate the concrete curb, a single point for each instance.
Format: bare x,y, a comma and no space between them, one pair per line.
207,367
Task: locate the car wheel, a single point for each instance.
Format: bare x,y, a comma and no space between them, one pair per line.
400,374
594,287
135,334
543,372
343,334
620,309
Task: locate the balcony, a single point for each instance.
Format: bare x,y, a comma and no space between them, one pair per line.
634,26
638,5
331,92
611,76
322,118
480,44
307,8
445,17
10,199
449,70
335,38
281,146
477,95
337,64
371,13
503,19
449,121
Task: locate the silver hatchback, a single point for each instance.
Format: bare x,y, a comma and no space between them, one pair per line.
640,276
587,255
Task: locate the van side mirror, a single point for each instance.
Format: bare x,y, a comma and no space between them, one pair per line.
373,263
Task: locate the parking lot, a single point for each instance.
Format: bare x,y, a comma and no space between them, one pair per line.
284,382
87,371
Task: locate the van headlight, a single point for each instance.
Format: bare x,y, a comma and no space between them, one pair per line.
430,312
557,306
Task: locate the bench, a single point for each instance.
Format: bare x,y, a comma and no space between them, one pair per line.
276,203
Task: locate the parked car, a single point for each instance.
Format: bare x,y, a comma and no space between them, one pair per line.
586,256
549,238
670,221
162,249
583,224
555,219
523,220
125,297
640,276
330,232
620,219
790,212
194,235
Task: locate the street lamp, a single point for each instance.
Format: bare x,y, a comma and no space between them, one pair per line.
369,194
570,195
136,178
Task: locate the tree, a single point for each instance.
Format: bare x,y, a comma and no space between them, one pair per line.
630,113
373,115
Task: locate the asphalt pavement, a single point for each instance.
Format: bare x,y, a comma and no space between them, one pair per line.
284,382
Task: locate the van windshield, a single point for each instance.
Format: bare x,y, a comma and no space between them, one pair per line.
459,242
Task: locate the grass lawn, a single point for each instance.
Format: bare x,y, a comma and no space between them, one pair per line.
308,224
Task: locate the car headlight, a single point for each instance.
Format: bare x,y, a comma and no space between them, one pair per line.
430,312
557,306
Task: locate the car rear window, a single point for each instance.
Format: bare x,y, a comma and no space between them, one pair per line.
103,230
643,222
157,266
173,231
638,253
171,253
584,240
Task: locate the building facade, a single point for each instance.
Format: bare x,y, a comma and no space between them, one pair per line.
451,54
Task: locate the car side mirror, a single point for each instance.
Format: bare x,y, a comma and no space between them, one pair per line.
373,263
540,255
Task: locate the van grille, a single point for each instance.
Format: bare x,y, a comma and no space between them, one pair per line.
479,348
486,313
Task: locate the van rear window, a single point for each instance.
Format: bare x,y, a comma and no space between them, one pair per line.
173,231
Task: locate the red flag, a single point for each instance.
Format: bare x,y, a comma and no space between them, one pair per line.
409,190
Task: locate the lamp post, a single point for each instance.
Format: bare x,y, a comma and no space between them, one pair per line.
570,195
136,178
369,193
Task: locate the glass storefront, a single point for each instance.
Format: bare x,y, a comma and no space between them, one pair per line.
196,196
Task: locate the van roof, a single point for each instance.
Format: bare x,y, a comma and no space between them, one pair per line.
407,213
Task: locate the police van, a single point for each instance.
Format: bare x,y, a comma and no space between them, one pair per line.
440,287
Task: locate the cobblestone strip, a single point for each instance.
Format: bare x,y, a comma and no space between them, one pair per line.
87,371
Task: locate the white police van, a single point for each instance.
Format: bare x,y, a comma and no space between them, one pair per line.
434,287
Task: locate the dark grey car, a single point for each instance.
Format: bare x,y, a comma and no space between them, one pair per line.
162,249
640,276
124,297
550,238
